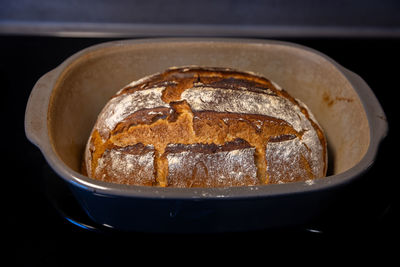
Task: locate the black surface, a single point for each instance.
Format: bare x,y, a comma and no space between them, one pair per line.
262,18
38,208
312,13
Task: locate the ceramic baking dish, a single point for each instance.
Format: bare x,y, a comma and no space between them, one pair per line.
65,102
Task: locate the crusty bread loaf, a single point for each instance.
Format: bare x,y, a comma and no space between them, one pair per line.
205,127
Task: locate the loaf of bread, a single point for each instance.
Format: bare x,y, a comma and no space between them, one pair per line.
205,127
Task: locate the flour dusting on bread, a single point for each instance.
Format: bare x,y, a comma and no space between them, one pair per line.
205,127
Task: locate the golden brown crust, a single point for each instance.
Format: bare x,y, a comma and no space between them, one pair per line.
190,111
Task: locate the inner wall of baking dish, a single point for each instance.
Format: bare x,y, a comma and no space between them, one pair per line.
87,83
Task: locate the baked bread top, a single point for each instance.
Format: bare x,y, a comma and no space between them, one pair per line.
205,127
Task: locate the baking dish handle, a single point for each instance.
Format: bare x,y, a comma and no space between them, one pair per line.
36,109
375,113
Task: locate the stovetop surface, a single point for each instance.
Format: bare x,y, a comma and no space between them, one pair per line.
45,225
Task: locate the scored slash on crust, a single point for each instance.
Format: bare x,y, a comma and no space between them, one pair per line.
197,109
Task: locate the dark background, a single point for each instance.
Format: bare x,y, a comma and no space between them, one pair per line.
261,18
36,36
